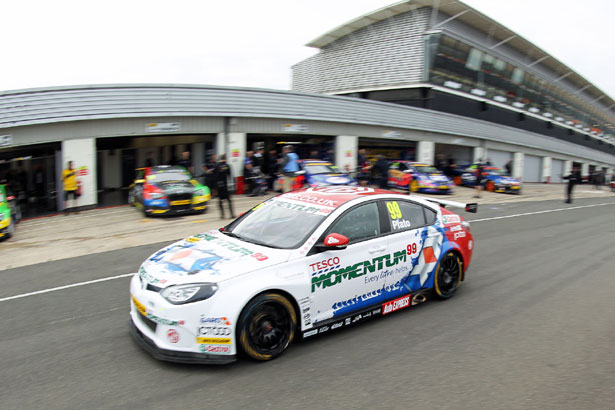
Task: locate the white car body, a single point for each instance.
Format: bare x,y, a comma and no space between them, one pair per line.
329,289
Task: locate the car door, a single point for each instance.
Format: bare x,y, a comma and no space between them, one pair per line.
344,281
414,244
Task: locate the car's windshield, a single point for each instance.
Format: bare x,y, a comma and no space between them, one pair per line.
279,223
320,169
169,176
495,171
426,169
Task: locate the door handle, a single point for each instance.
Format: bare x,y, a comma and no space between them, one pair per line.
376,249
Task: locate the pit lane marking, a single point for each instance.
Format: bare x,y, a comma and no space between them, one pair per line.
73,285
538,212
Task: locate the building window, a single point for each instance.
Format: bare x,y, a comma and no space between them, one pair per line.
474,59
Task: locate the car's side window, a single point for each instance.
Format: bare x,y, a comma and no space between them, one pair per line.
359,223
404,215
430,216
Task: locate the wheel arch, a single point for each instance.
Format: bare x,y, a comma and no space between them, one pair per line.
455,249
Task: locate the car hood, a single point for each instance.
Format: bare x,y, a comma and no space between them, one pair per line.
207,257
440,178
501,179
330,179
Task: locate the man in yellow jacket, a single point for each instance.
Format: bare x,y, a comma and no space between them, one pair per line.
69,178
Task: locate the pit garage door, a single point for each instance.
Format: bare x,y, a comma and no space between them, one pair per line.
557,170
499,158
532,167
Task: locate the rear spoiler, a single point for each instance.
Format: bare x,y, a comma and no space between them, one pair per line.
470,207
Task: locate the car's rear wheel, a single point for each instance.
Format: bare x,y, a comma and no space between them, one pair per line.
267,326
131,198
448,276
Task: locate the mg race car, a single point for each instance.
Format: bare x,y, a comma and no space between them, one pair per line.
9,213
316,173
300,264
418,177
494,179
166,189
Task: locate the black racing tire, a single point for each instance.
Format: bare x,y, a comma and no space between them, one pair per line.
131,198
448,276
11,230
414,186
267,326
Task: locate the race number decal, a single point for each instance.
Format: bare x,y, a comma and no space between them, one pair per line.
394,210
340,190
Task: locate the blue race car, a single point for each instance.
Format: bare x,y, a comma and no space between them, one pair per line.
494,179
320,173
421,178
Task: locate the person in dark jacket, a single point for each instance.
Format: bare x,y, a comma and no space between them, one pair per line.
573,179
381,172
222,172
479,179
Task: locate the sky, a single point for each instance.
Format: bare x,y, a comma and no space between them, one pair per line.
247,43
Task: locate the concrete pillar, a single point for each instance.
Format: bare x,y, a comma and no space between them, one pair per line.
584,169
477,156
198,157
83,154
220,147
518,165
546,169
346,147
166,155
567,168
425,152
237,152
111,169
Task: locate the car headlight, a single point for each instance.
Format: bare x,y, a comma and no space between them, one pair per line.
157,195
193,292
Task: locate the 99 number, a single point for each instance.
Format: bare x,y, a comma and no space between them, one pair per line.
411,248
394,210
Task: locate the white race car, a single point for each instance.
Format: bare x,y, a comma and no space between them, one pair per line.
299,264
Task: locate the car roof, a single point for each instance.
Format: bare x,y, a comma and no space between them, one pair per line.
160,169
333,196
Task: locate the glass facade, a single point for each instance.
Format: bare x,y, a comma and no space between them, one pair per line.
457,65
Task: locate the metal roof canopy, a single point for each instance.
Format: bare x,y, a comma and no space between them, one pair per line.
475,19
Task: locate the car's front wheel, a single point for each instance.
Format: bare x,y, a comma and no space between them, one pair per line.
448,276
414,186
267,326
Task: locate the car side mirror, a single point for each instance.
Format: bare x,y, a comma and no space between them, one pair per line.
333,241
472,208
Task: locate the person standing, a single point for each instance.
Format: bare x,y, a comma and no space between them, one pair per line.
149,160
479,179
573,178
364,168
508,167
222,172
289,166
186,162
69,179
381,172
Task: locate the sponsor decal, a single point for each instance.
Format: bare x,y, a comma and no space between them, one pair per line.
173,336
214,349
233,247
400,224
395,305
376,311
455,228
331,240
213,340
340,190
429,255
147,278
213,331
323,329
305,310
310,333
347,321
337,276
310,209
325,265
356,318
312,199
337,325
216,320
163,321
192,239
450,219
460,234
470,245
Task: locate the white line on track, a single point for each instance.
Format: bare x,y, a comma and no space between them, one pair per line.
539,212
73,285
23,295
